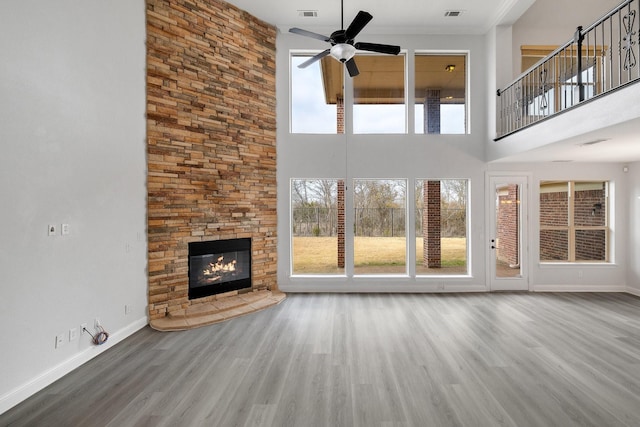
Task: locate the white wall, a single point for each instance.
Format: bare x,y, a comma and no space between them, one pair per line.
577,277
633,278
72,105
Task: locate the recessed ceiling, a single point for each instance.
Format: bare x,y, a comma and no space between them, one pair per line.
399,17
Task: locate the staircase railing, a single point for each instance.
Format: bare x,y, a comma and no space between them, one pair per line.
599,59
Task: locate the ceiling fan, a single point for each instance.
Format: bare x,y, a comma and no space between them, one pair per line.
343,47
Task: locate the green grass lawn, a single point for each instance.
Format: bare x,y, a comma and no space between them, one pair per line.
319,255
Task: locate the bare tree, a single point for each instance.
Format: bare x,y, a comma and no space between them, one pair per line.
314,206
379,207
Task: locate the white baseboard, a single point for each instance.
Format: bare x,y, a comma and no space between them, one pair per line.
578,288
377,288
633,291
14,397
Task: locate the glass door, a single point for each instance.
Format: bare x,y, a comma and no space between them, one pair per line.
507,231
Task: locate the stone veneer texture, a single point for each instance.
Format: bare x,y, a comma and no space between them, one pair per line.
211,141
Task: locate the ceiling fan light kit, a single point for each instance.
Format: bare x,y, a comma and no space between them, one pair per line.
343,47
343,52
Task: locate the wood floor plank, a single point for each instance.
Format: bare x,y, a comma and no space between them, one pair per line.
506,359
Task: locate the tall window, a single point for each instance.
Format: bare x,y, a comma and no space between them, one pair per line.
380,243
379,95
317,216
317,97
441,226
440,93
574,221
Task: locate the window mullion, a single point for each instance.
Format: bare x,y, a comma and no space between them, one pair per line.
571,221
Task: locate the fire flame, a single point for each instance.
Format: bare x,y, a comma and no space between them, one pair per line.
220,267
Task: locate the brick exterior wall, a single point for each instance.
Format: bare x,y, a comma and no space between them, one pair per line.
211,141
508,226
432,111
589,211
341,223
431,225
554,244
590,208
340,109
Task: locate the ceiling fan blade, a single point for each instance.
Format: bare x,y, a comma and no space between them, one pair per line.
315,58
352,68
306,33
359,22
380,48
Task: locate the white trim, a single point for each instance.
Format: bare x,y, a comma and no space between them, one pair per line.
579,288
17,395
522,283
440,286
633,291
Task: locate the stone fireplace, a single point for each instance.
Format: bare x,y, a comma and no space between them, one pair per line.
211,148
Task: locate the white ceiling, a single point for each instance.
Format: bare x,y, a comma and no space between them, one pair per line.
399,16
428,17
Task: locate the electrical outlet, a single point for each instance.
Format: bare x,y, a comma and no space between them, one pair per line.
83,327
65,229
59,340
96,323
127,309
73,334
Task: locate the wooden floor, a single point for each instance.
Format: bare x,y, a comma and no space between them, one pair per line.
514,359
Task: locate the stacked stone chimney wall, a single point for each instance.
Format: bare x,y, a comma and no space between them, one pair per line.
211,141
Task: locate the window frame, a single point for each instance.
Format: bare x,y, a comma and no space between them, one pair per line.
467,87
571,228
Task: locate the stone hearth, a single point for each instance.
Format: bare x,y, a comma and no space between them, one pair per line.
225,307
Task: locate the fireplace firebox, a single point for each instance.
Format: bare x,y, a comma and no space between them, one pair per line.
219,266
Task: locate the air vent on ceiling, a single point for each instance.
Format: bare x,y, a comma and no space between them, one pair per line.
453,13
308,13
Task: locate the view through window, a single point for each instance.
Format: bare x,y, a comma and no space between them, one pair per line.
317,105
380,243
317,237
441,226
379,95
440,93
574,225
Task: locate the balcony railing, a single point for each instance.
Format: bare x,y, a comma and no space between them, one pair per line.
598,60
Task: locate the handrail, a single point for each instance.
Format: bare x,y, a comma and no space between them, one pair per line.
597,60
